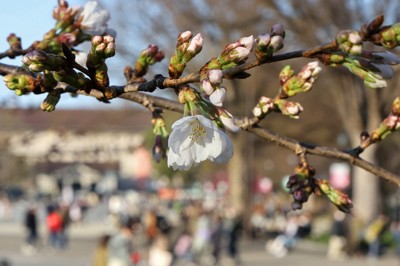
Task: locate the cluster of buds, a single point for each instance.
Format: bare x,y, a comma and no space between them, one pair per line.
373,76
64,15
210,83
338,198
236,53
389,124
102,48
292,109
20,83
301,185
389,37
50,102
38,61
268,44
15,42
186,49
263,107
350,42
302,82
161,133
147,57
74,25
372,67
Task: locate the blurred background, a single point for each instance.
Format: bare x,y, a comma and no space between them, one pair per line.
92,162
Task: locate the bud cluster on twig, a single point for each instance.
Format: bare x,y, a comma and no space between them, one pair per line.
268,44
147,57
303,183
388,125
291,85
187,47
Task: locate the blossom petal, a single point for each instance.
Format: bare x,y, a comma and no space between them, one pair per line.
227,153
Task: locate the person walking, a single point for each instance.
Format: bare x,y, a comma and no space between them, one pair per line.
31,227
54,226
338,238
100,255
120,246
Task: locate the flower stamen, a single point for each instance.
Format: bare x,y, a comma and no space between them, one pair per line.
198,131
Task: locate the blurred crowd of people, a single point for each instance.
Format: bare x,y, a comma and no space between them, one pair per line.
198,236
346,235
154,232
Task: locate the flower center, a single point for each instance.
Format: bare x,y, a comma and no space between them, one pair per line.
198,131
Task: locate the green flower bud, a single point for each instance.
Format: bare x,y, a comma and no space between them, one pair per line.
50,102
396,106
21,82
286,73
14,42
338,198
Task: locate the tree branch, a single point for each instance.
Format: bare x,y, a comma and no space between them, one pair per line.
283,141
130,92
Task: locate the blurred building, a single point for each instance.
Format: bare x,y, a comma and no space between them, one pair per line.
80,148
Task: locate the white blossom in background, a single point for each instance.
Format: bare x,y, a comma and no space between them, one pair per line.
94,19
81,58
195,139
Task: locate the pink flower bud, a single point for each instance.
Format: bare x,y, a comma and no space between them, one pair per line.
390,122
218,96
277,29
231,46
247,42
108,39
96,40
67,38
257,111
276,43
355,38
239,54
184,37
263,40
206,86
293,109
196,44
215,76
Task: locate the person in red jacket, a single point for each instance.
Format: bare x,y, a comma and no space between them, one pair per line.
54,225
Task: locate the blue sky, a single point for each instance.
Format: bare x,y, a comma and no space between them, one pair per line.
30,23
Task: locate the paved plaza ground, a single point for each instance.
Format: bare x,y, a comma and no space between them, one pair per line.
83,240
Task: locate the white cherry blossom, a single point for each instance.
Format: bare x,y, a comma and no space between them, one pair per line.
195,139
95,19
